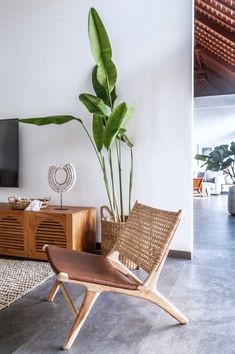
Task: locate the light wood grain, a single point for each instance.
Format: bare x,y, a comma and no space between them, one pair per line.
23,233
54,291
145,226
88,301
145,290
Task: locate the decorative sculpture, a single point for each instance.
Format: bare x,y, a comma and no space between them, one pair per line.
64,185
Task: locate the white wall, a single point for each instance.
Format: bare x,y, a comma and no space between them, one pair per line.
214,118
45,63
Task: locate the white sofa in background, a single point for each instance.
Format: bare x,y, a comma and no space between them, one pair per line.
213,181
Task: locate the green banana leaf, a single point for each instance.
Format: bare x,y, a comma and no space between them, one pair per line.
123,137
121,131
98,131
114,124
101,51
126,140
129,114
100,91
93,104
49,120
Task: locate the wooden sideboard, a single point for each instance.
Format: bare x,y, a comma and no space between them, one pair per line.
23,233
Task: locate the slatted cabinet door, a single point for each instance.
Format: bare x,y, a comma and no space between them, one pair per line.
48,229
24,233
12,234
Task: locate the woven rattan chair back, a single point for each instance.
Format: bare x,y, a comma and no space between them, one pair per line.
146,236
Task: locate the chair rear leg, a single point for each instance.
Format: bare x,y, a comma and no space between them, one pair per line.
162,302
87,303
54,291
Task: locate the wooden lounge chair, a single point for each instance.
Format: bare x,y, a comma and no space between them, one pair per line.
197,187
145,240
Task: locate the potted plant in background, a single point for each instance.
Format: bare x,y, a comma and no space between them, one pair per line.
108,134
222,158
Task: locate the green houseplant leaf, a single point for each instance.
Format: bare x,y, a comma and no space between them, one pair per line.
98,131
227,163
123,137
219,159
232,147
100,91
217,156
213,166
94,104
101,51
106,127
49,120
126,140
129,114
114,124
201,157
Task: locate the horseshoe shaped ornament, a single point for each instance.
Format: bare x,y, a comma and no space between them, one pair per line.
64,185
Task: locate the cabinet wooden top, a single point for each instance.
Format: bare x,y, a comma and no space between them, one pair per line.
52,209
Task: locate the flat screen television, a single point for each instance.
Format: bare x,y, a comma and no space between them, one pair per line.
9,152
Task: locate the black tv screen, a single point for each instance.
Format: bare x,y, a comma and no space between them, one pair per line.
9,152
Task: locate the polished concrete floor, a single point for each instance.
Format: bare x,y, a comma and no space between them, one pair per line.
203,289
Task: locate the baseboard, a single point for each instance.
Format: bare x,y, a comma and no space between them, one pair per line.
180,254
172,253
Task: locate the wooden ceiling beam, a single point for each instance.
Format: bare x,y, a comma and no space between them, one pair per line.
214,18
214,64
214,56
215,45
216,50
229,3
217,41
225,23
219,6
216,34
217,9
214,26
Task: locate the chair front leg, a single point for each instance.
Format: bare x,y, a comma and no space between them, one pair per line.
87,303
161,301
53,291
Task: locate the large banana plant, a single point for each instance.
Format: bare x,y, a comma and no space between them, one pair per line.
222,158
108,121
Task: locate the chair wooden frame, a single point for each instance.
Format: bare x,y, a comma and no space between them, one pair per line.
145,289
197,187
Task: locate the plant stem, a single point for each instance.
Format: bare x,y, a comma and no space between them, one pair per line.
111,170
131,179
103,167
119,159
93,144
115,206
106,182
230,174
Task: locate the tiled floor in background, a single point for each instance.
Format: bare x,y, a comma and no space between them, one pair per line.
203,289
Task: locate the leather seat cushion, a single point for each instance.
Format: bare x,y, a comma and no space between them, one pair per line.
87,267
